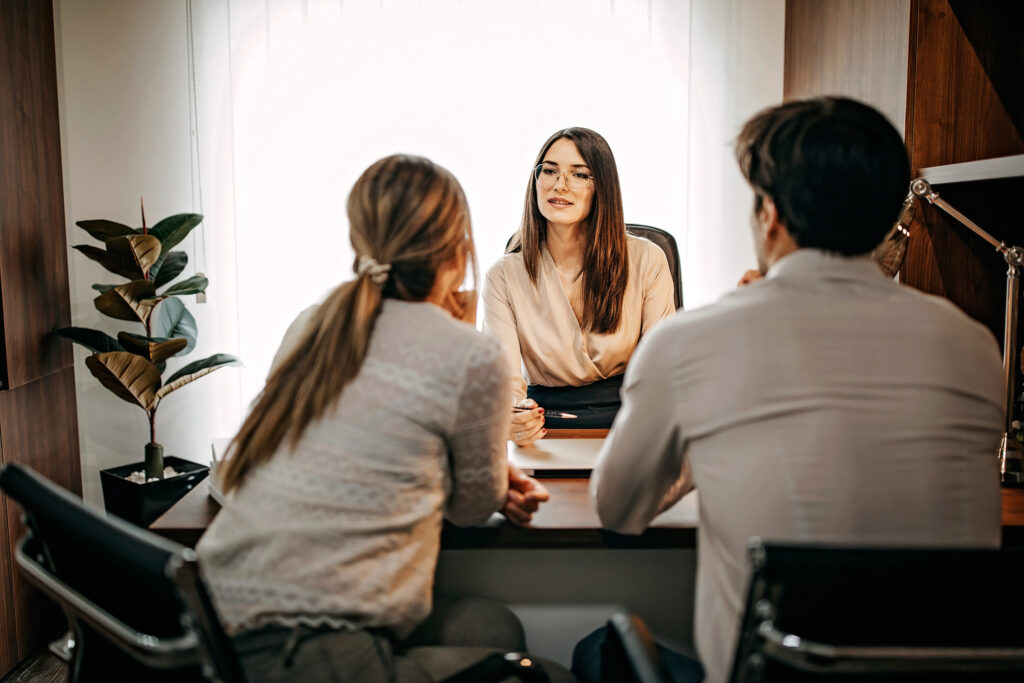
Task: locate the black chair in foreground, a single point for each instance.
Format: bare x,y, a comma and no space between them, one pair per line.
827,613
135,602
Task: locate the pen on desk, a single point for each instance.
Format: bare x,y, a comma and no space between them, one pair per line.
557,414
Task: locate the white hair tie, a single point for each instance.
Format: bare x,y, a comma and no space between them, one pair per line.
378,271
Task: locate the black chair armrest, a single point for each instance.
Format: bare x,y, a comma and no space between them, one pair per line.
629,652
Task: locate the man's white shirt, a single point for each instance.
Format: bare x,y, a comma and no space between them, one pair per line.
825,403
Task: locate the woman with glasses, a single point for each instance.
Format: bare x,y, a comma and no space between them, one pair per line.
574,293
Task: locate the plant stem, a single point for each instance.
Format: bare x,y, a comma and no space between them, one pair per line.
152,425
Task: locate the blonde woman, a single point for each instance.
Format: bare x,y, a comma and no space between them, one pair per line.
322,561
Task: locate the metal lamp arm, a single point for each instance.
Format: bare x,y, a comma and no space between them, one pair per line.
923,189
1012,468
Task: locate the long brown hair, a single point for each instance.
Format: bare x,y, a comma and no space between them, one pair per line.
404,211
605,268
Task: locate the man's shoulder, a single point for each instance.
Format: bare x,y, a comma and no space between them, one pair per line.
942,313
733,307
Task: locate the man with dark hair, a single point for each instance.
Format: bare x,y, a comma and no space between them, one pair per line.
823,403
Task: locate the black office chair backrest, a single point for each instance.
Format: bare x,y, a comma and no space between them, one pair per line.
135,601
872,615
664,240
667,243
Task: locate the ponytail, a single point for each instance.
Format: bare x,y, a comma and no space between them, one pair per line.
407,217
310,379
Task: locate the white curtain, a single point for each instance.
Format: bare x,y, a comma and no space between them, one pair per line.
295,98
735,71
322,88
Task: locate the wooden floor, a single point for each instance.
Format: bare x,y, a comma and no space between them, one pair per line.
42,667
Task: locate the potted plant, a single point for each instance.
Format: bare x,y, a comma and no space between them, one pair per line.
132,365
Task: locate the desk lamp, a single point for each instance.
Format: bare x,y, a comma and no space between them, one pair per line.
1011,464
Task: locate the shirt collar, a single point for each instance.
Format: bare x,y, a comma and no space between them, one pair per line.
816,263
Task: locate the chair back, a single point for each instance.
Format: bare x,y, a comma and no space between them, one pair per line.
135,601
663,239
818,612
667,243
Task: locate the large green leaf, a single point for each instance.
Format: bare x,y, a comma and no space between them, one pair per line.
168,267
193,285
132,301
173,229
194,371
123,264
132,378
103,230
156,349
144,249
171,319
94,340
103,288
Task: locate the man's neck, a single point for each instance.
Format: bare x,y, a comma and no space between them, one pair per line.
779,250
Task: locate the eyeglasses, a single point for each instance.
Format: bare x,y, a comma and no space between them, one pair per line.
547,177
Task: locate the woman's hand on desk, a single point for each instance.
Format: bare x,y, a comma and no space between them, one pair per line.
527,426
525,494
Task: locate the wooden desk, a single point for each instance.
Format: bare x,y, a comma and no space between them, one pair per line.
566,521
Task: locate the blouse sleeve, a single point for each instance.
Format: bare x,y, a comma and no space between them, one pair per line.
477,442
659,295
500,320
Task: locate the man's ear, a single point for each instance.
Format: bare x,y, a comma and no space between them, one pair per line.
768,219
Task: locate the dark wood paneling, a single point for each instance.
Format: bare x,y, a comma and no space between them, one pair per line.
856,48
968,105
8,642
33,248
39,429
968,80
38,420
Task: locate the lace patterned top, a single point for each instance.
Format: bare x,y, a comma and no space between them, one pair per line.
344,530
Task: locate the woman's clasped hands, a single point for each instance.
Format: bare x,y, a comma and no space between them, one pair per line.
525,494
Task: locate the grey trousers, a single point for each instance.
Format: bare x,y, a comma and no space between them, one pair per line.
457,635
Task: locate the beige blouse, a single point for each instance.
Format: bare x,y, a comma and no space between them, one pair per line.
540,333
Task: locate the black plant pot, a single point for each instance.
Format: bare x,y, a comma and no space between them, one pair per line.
141,504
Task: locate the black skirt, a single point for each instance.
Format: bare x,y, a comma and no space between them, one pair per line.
595,405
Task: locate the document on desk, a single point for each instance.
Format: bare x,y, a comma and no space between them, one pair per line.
556,457
219,449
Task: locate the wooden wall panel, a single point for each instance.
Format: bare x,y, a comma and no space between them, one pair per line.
8,641
856,48
967,105
968,81
33,248
39,429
